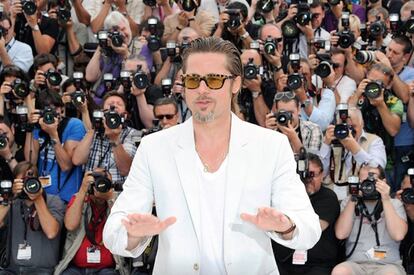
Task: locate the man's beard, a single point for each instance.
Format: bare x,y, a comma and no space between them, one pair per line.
204,118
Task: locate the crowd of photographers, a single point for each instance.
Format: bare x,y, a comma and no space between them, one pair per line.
82,81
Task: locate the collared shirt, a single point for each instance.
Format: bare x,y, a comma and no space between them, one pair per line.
311,136
20,54
101,154
319,33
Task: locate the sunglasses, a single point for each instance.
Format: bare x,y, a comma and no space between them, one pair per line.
282,95
213,81
168,117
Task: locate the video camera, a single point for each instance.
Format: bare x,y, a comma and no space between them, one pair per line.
294,80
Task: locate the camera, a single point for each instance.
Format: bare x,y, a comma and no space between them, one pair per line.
234,19
109,82
78,98
154,42
20,88
31,184
140,79
29,7
63,11
125,80
283,117
304,16
394,23
322,44
346,37
294,80
166,86
341,130
21,117
53,77
77,79
102,37
112,119
150,3
324,67
369,192
48,114
408,26
364,57
377,29
188,5
373,89
6,191
103,184
334,2
269,46
290,30
97,120
302,165
4,140
171,49
250,70
407,196
117,38
265,6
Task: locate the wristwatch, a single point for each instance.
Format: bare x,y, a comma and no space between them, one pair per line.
256,94
53,141
36,28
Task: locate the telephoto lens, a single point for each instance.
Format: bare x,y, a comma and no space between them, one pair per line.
364,57
373,89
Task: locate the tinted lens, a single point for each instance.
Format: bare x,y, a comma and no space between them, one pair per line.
191,82
161,117
215,82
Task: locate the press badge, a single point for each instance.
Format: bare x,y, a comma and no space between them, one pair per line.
300,257
377,253
24,252
46,181
93,255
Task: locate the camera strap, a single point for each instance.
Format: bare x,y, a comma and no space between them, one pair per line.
30,219
373,217
93,221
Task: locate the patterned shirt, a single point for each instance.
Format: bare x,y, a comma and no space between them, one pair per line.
311,136
101,154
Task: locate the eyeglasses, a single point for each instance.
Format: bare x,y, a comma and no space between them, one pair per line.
213,81
167,116
282,95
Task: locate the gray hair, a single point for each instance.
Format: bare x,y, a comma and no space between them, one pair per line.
113,19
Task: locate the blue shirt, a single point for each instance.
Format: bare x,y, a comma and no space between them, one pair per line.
74,130
406,134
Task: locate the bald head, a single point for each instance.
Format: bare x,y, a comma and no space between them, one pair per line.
250,53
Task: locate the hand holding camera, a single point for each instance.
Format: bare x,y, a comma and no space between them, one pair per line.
223,19
34,116
50,129
87,181
384,189
5,88
16,8
182,20
270,121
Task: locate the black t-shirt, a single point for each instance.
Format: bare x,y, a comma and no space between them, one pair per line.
47,26
325,252
245,100
5,172
407,248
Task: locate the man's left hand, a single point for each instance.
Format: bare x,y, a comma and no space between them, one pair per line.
113,134
288,130
384,189
50,129
36,196
268,219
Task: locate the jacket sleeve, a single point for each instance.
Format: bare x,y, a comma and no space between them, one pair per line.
137,197
289,196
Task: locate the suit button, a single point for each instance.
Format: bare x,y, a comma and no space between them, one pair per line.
195,266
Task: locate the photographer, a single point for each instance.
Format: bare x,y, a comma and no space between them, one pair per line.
373,224
35,220
256,96
31,27
189,16
381,37
46,74
13,51
356,147
51,145
112,149
85,219
287,120
109,58
323,256
166,111
8,151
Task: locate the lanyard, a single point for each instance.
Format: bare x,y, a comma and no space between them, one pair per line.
102,157
372,217
94,222
28,220
45,164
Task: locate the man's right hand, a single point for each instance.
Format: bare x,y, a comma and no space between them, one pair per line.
329,135
146,225
39,78
361,87
17,186
16,8
86,182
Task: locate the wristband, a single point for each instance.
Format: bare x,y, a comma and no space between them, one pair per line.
178,28
276,69
191,19
290,229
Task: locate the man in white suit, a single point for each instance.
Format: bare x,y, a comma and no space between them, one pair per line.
222,187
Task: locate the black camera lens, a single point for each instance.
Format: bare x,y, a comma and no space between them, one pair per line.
102,183
234,19
341,131
283,117
346,39
265,6
112,119
250,70
294,81
140,80
32,185
53,77
369,192
290,30
188,5
48,115
373,89
29,7
20,88
323,69
269,46
303,18
63,14
150,3
78,98
3,141
377,29
407,196
117,38
364,57
154,43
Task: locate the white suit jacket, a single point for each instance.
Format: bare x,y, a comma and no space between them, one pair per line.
261,172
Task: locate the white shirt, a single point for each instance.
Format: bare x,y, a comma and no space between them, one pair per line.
212,188
346,87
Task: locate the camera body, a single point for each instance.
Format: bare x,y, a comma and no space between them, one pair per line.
283,117
234,18
112,119
407,196
154,42
49,114
250,71
373,89
377,29
98,122
294,80
6,191
341,130
103,184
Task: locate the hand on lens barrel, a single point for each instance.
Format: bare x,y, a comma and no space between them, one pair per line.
383,188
